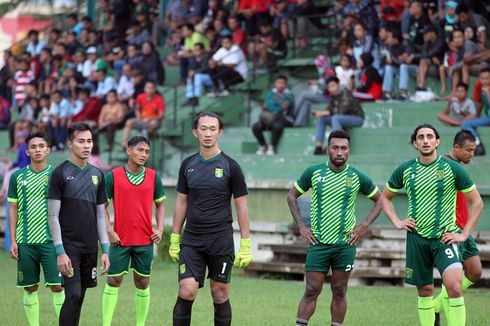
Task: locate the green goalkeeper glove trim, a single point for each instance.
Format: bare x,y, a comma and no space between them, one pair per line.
174,249
244,255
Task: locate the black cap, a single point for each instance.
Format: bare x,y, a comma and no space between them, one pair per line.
429,28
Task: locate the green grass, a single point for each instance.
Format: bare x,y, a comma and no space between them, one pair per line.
254,302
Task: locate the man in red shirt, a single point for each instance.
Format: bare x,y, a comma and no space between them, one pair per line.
464,145
90,111
149,109
238,35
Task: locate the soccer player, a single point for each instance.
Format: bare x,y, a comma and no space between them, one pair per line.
133,188
464,145
431,182
31,244
76,198
207,181
333,233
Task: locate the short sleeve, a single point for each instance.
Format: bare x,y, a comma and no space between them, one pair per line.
477,92
237,180
303,184
182,186
158,192
101,191
139,99
471,107
161,104
56,185
12,195
109,185
395,183
367,186
462,179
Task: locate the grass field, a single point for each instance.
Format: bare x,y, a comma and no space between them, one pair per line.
254,302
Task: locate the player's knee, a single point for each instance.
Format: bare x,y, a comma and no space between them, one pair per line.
115,282
142,282
474,274
73,296
32,289
56,288
219,294
187,292
339,290
312,291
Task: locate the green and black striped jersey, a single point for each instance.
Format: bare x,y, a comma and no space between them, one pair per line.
29,190
333,196
431,191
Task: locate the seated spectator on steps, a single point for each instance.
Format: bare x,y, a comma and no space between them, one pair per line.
365,43
105,83
90,111
371,88
459,108
430,55
125,87
198,75
343,112
228,66
191,38
59,113
274,117
149,110
111,118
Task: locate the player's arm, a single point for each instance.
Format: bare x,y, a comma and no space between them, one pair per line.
101,225
159,199
304,230
180,212
361,229
64,262
244,254
389,210
109,189
14,250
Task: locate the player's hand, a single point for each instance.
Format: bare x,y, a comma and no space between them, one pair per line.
453,237
14,250
356,234
104,263
64,265
307,235
114,239
156,237
244,255
407,224
174,249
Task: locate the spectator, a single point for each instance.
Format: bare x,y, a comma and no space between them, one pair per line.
281,12
89,64
459,108
228,66
35,45
138,35
418,21
191,38
396,48
151,65
134,57
391,10
6,75
345,72
270,46
464,52
477,23
198,76
279,102
449,22
59,112
371,88
111,118
4,113
365,43
22,77
254,12
364,10
430,55
479,120
72,44
104,83
307,23
238,35
73,24
125,87
149,110
41,119
343,111
90,109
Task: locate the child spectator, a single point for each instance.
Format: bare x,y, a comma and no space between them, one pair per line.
278,103
371,88
459,108
345,72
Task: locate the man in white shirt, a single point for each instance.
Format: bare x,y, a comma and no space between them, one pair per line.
104,83
59,112
125,88
228,66
35,45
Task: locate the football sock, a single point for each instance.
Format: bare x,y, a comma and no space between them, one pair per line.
58,299
31,307
336,324
301,322
222,314
426,311
456,315
109,302
466,283
182,312
439,300
142,304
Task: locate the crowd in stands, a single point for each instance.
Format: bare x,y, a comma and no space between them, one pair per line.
107,70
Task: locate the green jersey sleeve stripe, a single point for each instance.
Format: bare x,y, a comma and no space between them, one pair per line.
296,185
158,200
12,200
373,192
392,189
468,189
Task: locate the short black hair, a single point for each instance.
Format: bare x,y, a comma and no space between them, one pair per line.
413,137
200,45
85,91
283,77
33,32
133,141
37,134
228,36
189,26
332,79
57,91
75,128
462,8
362,25
72,15
462,137
484,69
464,85
207,114
339,134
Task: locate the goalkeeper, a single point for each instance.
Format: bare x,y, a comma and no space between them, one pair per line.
207,181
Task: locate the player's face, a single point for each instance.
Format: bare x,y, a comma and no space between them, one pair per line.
139,153
465,152
338,150
207,132
82,144
37,150
426,142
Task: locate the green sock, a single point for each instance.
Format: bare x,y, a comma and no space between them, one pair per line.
142,302
58,300
466,283
438,301
109,301
457,312
31,307
426,311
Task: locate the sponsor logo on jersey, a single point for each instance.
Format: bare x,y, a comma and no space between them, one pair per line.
440,174
218,172
95,180
20,276
408,273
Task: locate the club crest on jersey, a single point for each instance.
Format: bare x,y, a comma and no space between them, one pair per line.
182,269
440,174
408,273
95,180
348,182
218,172
20,276
45,180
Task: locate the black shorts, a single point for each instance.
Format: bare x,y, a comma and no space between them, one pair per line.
215,254
84,268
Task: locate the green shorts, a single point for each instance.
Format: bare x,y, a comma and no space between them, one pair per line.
468,248
423,254
141,260
31,257
320,257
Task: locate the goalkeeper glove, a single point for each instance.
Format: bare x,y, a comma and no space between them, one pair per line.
244,255
174,249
